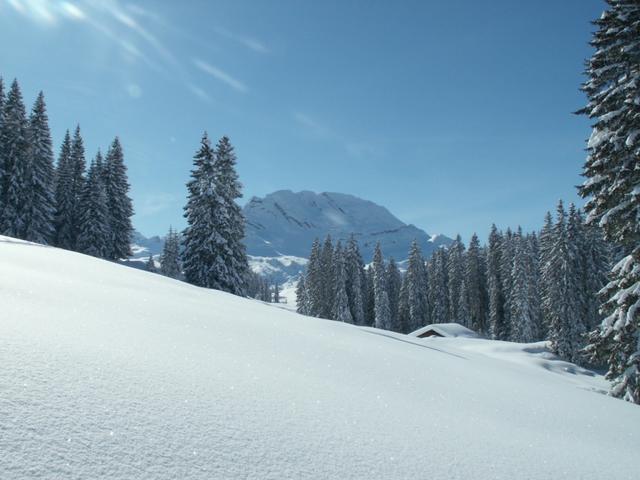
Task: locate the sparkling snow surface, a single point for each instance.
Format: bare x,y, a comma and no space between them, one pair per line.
110,372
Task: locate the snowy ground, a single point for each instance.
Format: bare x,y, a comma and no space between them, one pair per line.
111,372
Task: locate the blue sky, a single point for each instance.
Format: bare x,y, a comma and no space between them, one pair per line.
451,114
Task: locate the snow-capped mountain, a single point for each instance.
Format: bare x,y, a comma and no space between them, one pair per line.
286,223
282,226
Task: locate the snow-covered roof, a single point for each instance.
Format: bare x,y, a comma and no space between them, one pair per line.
446,330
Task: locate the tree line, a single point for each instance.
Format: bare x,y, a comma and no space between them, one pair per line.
519,287
61,204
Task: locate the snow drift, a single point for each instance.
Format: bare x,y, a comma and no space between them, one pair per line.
110,372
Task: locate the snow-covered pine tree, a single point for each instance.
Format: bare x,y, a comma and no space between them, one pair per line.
63,196
476,286
455,271
611,184
416,289
546,243
150,266
40,210
230,220
355,278
535,298
276,292
403,306
170,258
506,267
327,290
313,281
14,148
437,287
77,165
120,206
464,308
394,283
381,296
341,310
93,229
369,297
302,303
203,261
497,323
523,315
562,295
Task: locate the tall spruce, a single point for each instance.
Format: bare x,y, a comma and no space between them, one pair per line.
437,287
523,314
302,302
40,210
203,257
341,310
15,185
314,281
455,271
231,221
120,205
170,258
416,289
354,282
326,287
381,296
475,284
612,177
498,327
93,228
394,283
64,199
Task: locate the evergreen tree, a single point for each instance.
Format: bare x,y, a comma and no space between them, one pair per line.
276,292
403,306
151,265
506,266
302,302
464,307
231,221
369,297
416,289
495,293
354,282
15,185
120,206
437,287
523,315
561,299
64,200
40,209
341,310
203,257
546,244
313,282
170,258
93,229
455,270
612,178
394,283
476,286
327,289
381,297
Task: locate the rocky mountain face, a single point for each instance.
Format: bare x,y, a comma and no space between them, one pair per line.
286,223
282,226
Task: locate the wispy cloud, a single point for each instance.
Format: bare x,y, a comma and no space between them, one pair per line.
200,93
220,75
248,42
312,125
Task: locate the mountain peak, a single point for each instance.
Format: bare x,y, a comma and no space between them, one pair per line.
286,223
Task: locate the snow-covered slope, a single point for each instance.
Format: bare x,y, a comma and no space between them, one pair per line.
286,223
110,372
